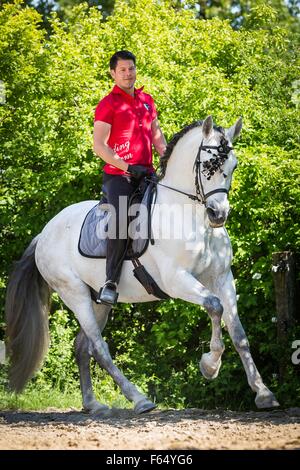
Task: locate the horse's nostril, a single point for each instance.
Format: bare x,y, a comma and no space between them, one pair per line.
211,212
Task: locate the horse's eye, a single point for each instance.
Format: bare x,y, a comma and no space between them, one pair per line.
224,174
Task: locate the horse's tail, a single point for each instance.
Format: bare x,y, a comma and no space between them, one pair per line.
26,310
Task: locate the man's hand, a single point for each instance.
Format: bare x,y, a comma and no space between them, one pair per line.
138,171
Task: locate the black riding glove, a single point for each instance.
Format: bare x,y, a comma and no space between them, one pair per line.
138,171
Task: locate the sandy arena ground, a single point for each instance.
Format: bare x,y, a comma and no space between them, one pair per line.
190,429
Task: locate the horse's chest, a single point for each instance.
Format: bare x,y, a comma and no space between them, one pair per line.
213,255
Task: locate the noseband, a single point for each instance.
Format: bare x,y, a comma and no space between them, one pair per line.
209,169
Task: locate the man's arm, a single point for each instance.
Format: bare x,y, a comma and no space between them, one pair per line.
158,138
102,149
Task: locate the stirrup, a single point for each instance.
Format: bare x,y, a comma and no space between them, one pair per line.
107,294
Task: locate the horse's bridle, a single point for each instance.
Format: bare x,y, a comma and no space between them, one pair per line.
209,169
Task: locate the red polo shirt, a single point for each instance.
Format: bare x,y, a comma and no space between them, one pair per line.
130,119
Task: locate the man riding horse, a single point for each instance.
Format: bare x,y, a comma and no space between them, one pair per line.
125,128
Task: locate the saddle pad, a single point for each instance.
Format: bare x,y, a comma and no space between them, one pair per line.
92,239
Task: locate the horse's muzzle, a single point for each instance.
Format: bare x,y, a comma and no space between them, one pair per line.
217,218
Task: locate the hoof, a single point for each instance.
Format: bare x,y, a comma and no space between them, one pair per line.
208,369
266,400
96,408
104,412
144,406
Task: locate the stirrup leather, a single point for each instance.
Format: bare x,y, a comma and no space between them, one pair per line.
107,294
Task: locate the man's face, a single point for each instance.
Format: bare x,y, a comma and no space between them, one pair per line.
124,75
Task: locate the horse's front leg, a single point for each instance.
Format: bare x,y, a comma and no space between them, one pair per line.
225,289
188,288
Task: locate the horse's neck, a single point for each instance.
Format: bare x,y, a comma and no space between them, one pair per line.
180,176
179,169
179,172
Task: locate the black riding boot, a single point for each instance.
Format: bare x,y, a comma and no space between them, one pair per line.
116,250
116,187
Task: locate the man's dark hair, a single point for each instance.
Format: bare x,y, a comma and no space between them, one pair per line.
120,55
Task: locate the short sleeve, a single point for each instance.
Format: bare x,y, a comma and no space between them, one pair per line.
104,112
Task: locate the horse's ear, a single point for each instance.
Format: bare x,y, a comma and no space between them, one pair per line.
207,127
234,131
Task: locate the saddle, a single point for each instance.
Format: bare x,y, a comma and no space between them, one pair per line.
93,234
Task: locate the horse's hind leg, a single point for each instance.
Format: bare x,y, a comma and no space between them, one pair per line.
76,295
264,397
83,358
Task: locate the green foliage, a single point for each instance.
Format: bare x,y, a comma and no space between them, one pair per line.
40,397
238,12
192,68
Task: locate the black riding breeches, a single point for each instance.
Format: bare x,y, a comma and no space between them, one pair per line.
117,189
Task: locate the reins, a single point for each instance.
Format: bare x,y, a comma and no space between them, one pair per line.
191,196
